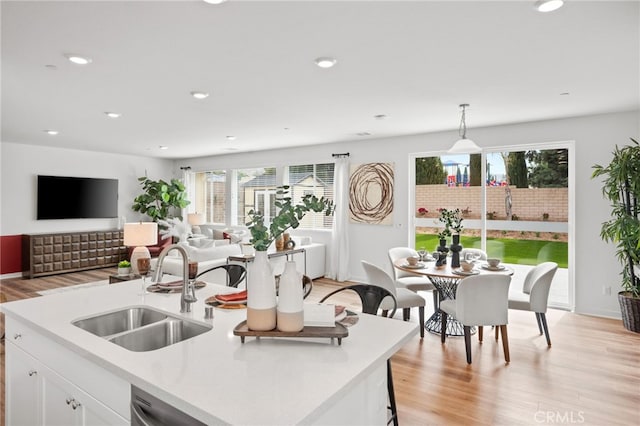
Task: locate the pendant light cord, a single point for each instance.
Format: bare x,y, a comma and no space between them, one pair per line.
462,130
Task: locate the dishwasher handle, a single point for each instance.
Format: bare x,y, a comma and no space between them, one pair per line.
139,417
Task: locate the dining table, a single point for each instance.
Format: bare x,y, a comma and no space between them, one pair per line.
445,279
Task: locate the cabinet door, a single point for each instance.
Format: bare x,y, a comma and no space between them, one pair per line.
65,404
22,383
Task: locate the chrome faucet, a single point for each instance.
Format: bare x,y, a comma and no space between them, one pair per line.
188,295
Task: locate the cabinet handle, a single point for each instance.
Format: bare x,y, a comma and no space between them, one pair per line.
32,372
74,404
17,336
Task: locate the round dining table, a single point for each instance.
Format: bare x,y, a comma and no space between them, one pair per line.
446,279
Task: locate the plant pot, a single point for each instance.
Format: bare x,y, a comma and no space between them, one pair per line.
630,309
124,271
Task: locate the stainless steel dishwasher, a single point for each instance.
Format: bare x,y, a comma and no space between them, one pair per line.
147,410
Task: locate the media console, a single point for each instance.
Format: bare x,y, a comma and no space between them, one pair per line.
57,253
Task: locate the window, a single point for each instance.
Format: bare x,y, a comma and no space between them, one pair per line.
210,195
315,179
256,189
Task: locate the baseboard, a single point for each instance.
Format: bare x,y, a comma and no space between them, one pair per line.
11,275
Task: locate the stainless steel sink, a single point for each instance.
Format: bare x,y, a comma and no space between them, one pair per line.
119,321
142,329
159,335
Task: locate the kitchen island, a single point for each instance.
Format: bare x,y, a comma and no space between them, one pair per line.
212,377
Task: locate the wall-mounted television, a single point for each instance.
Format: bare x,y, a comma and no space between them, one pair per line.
63,197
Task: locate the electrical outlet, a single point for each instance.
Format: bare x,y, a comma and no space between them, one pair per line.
606,290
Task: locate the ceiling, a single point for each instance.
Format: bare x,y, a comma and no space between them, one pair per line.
412,61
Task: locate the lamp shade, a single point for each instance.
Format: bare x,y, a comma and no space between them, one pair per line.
464,146
140,234
195,218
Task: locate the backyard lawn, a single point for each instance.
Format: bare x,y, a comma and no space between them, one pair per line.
520,251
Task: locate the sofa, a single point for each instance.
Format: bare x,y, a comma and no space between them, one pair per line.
210,253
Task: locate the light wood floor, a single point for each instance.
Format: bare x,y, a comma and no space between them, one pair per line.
591,375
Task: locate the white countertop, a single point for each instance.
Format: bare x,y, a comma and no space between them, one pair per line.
214,377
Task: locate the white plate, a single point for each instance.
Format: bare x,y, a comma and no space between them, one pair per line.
419,265
460,271
168,286
233,302
492,268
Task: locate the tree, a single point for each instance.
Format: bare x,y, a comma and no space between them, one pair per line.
429,170
475,170
548,168
517,169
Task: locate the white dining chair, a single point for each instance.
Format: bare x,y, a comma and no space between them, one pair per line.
413,282
480,300
480,254
406,299
535,294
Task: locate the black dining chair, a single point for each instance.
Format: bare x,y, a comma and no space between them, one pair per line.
371,297
235,273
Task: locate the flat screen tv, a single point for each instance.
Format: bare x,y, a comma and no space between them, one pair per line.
62,197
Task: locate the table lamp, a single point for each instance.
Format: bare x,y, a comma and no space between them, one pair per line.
195,220
140,235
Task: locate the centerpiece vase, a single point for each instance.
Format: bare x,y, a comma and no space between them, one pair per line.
261,294
290,296
455,248
443,250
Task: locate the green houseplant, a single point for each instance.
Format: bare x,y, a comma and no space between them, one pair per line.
289,216
621,186
159,197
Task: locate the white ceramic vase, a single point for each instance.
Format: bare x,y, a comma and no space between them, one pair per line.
290,299
261,294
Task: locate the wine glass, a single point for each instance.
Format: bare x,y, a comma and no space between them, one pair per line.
422,253
144,265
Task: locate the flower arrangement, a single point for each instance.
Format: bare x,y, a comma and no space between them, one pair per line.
452,220
422,212
289,216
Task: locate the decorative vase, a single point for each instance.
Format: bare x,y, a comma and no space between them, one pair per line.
455,250
290,296
261,294
443,250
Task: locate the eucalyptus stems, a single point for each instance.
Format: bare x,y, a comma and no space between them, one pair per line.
289,216
452,220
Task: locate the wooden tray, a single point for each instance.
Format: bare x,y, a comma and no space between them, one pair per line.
338,332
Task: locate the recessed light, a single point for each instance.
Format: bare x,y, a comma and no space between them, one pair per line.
51,132
163,147
78,59
363,134
112,114
325,62
548,5
200,95
214,1
231,138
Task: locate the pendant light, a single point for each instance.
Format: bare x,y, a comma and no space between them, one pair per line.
464,145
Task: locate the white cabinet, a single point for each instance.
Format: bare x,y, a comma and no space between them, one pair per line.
38,395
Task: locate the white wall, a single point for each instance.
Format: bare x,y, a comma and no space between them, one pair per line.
594,136
22,163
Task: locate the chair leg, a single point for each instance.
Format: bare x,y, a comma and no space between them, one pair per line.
505,342
392,396
443,326
543,320
467,342
539,323
385,313
421,319
436,300
480,332
406,313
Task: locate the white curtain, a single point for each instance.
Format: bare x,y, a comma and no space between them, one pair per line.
339,255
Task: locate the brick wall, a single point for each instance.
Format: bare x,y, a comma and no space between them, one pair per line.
526,203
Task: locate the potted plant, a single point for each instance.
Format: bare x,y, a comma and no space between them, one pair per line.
261,290
124,267
621,186
159,197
